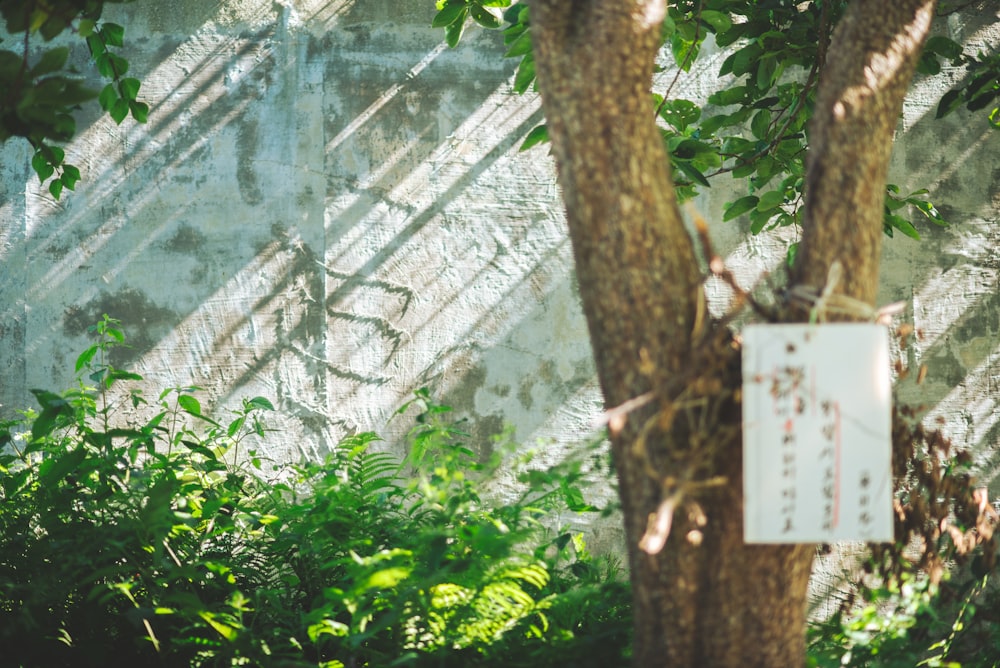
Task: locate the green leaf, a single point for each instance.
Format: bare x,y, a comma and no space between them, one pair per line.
85,28
770,200
449,14
929,210
113,34
575,500
892,204
96,47
719,21
103,61
119,63
54,24
129,88
904,226
227,632
235,426
712,124
760,124
744,170
53,406
687,149
56,188
112,332
759,219
70,176
121,374
538,135
668,29
520,46
766,70
944,47
983,99
680,113
41,165
740,206
51,61
53,471
108,97
119,110
685,51
55,154
728,96
744,59
793,252
525,74
189,404
693,173
453,33
261,403
140,111
85,357
928,64
387,578
483,17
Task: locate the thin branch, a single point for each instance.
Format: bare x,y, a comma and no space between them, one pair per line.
614,418
718,268
687,61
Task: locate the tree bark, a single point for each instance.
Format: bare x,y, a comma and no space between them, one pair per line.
705,599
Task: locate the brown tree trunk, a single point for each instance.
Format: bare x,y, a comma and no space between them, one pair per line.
705,598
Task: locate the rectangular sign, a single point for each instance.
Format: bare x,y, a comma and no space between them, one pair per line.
817,462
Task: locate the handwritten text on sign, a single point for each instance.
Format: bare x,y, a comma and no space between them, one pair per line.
816,433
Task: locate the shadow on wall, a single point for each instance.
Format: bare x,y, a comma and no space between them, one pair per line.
257,235
327,208
953,282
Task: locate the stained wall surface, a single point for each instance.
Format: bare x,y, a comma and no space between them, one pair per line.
328,208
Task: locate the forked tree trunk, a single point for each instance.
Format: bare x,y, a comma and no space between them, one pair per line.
705,599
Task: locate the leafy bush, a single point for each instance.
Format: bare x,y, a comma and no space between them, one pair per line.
161,542
915,623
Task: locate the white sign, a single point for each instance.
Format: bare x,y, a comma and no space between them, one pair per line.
817,463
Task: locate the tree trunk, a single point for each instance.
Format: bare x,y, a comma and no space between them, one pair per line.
705,599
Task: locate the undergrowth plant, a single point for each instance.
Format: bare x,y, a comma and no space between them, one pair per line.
163,541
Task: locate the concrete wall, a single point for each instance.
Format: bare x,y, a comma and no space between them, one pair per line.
328,208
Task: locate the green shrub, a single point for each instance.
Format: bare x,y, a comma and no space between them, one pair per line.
916,623
162,542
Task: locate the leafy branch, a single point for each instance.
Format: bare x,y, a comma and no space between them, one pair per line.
42,97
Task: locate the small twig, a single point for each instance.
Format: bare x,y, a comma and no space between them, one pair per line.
824,34
718,268
659,524
614,418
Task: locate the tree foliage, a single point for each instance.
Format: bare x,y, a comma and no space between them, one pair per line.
43,90
170,539
754,126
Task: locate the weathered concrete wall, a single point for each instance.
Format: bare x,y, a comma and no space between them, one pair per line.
328,208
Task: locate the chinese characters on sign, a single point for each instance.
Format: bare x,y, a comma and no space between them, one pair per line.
816,433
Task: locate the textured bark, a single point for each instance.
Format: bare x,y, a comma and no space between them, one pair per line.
705,599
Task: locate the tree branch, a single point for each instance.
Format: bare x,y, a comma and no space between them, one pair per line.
874,52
